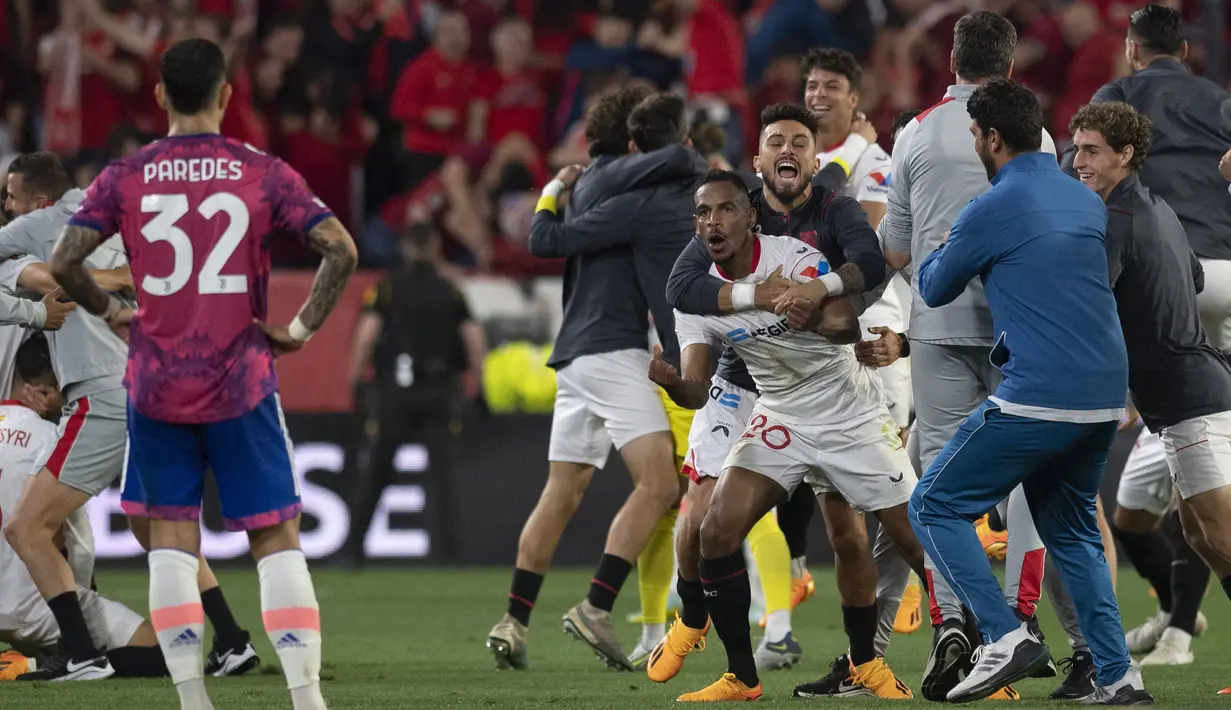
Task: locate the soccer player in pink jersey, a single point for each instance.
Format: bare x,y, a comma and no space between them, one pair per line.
195,211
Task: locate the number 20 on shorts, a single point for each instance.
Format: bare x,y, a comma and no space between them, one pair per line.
776,437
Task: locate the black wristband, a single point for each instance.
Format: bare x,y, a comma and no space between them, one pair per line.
905,345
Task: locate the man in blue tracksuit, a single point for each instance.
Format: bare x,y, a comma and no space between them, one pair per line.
1037,242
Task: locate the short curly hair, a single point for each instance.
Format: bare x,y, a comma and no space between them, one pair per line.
607,122
837,61
1120,125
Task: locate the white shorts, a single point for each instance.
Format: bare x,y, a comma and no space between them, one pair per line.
1199,453
603,400
1214,302
1146,481
864,461
895,381
112,625
716,427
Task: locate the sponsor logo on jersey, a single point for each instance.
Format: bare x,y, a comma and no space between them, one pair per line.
884,179
813,272
773,331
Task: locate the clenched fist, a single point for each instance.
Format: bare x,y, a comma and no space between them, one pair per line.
662,373
801,313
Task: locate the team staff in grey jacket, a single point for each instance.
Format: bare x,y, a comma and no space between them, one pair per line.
1190,135
603,397
89,361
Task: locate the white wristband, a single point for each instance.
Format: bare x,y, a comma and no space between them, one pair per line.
554,188
299,331
743,297
833,284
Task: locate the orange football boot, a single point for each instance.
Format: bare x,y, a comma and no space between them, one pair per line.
726,688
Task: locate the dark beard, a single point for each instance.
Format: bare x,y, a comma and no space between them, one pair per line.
788,196
989,165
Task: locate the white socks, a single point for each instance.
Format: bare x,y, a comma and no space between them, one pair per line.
179,621
651,634
293,622
778,625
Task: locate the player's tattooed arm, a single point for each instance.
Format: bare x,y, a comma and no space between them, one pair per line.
76,243
331,240
853,281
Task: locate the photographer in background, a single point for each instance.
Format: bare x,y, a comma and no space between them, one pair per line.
426,351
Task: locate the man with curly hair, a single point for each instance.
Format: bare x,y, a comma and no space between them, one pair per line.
1179,380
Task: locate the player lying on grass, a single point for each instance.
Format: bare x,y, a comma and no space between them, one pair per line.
820,419
27,436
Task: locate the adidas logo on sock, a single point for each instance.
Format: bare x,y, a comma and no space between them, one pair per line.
288,640
186,638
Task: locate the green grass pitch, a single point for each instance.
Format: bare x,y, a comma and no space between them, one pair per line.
414,639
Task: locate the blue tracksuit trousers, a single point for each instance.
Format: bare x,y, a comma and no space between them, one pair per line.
1060,465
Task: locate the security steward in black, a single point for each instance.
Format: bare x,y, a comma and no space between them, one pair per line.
428,349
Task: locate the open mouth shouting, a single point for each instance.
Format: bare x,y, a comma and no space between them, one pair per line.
787,169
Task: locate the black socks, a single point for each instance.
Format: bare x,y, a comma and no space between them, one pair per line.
728,597
523,594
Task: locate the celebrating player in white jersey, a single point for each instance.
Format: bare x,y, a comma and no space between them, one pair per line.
27,439
819,419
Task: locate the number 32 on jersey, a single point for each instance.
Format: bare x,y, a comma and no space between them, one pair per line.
170,209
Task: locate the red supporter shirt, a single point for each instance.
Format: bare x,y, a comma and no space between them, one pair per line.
1092,65
102,105
195,213
715,62
433,82
516,104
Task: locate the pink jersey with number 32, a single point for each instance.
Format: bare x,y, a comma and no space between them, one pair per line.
195,213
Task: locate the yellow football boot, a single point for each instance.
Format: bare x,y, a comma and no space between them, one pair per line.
668,656
995,544
876,678
1006,693
910,611
727,688
13,664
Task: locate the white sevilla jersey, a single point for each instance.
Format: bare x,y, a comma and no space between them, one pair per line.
26,442
870,175
803,378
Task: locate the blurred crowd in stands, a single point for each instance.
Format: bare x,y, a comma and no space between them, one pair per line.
456,111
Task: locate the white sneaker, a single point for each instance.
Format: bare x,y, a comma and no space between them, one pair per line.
1201,625
1016,655
641,654
1144,638
1171,650
1129,690
773,655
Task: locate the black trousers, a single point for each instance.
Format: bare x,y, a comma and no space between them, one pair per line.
427,413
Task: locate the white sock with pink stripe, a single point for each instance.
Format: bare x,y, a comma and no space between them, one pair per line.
293,622
179,620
